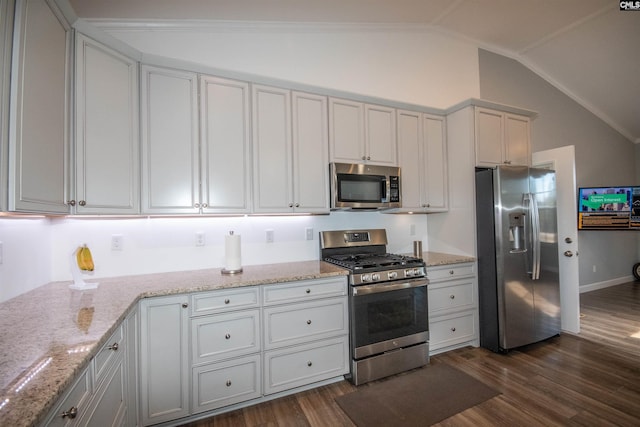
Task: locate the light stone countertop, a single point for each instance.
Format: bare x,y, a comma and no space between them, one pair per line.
41,330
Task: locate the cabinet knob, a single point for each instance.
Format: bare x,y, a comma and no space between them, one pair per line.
507,162
114,346
227,300
364,157
297,205
309,322
185,305
308,291
290,205
205,205
82,203
453,329
71,202
227,336
451,272
196,205
228,383
452,296
368,157
71,413
309,363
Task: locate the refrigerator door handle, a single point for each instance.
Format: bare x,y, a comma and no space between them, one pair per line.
535,243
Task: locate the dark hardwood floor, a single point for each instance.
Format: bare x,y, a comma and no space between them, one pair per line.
590,379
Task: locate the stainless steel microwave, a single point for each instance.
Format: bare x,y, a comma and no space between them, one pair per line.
360,186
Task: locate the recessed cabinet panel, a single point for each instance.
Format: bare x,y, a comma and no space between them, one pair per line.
517,136
170,174
346,127
489,137
40,109
381,135
273,173
436,182
225,145
106,130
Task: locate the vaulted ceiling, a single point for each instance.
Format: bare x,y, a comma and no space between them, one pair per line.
589,49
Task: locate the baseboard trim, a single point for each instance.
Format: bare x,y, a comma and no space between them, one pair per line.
606,284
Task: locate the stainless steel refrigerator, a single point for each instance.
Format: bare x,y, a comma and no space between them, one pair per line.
518,280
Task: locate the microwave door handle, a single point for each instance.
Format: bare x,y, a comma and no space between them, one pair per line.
385,189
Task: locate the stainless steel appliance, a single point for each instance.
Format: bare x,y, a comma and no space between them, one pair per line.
359,186
388,310
518,281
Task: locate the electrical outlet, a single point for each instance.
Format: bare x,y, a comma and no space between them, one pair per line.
200,238
1,253
269,236
308,232
116,242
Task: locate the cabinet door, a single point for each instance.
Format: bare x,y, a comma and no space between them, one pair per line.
164,359
346,131
435,161
489,137
273,173
170,156
310,153
410,138
517,139
6,31
380,135
106,130
40,99
225,146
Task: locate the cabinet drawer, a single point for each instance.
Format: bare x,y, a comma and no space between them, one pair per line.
225,335
77,397
305,364
452,271
298,323
305,290
449,330
109,405
108,354
457,295
217,301
225,383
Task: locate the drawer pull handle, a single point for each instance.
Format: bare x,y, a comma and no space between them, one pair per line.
114,346
308,291
453,329
227,336
227,301
228,383
309,363
452,296
71,413
309,322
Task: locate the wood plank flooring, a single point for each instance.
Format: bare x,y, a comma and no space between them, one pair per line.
592,379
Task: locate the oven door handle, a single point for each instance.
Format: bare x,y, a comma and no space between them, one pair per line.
389,287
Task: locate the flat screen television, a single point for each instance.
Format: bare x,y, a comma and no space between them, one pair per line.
609,208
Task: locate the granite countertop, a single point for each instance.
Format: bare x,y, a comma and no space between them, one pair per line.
47,339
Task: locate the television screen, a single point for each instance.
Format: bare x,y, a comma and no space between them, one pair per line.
609,208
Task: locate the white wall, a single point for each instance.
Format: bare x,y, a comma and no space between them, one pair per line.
26,255
409,66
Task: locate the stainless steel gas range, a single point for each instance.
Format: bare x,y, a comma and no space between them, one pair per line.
388,310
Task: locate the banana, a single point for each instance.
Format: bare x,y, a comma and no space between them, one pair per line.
84,258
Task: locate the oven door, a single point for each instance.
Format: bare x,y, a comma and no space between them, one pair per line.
388,316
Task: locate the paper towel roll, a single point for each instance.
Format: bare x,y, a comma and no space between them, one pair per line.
232,249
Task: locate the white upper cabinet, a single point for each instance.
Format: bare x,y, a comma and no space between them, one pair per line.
423,162
40,106
6,30
362,133
310,153
225,146
290,161
195,157
170,153
501,138
107,143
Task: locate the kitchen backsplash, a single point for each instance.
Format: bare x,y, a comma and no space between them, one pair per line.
36,251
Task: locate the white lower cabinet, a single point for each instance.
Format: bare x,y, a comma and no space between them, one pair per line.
453,307
101,394
219,350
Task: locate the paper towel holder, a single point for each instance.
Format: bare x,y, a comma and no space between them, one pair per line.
234,270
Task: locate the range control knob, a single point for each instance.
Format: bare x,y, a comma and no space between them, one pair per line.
366,277
416,272
408,273
393,275
375,277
